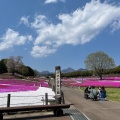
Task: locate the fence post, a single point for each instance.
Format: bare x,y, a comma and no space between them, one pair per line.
62,97
43,100
8,100
46,98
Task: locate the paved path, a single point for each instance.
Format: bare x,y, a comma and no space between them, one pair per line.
94,110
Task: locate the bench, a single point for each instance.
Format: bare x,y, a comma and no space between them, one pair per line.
56,108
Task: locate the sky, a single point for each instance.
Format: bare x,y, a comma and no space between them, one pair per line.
50,33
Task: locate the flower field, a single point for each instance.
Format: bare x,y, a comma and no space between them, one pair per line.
110,82
13,85
24,92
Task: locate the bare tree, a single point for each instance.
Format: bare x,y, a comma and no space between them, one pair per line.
98,62
14,63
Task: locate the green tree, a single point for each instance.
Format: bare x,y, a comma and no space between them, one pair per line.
3,68
116,70
23,70
37,73
99,62
30,71
26,71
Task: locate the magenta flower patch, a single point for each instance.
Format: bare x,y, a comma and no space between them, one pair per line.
84,82
12,85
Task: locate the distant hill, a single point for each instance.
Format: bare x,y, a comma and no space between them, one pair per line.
46,72
68,70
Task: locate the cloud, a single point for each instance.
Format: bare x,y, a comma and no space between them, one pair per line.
53,1
42,51
116,25
12,38
78,27
24,20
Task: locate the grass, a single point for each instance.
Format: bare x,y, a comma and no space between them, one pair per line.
112,93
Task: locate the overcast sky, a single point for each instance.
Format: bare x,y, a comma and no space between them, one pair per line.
49,33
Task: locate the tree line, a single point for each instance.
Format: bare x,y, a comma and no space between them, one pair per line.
88,73
15,65
97,64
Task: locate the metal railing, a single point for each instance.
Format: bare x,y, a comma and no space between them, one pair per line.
19,100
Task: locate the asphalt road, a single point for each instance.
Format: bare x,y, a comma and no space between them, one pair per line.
94,110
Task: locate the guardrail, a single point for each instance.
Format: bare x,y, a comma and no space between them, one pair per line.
40,100
56,108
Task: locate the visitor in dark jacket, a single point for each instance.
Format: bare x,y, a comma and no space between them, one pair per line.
103,93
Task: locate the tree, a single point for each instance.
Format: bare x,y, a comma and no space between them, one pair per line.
116,70
37,73
3,68
30,71
14,63
98,62
23,70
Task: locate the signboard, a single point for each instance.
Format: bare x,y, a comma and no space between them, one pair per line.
58,80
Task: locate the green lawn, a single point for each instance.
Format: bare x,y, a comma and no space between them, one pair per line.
112,93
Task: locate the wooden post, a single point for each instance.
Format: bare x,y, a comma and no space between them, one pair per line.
8,100
62,97
1,116
58,84
46,98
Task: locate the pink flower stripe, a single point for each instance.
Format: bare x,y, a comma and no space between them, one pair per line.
107,82
13,85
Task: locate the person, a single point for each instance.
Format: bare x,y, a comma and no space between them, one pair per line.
93,93
86,92
103,93
99,92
